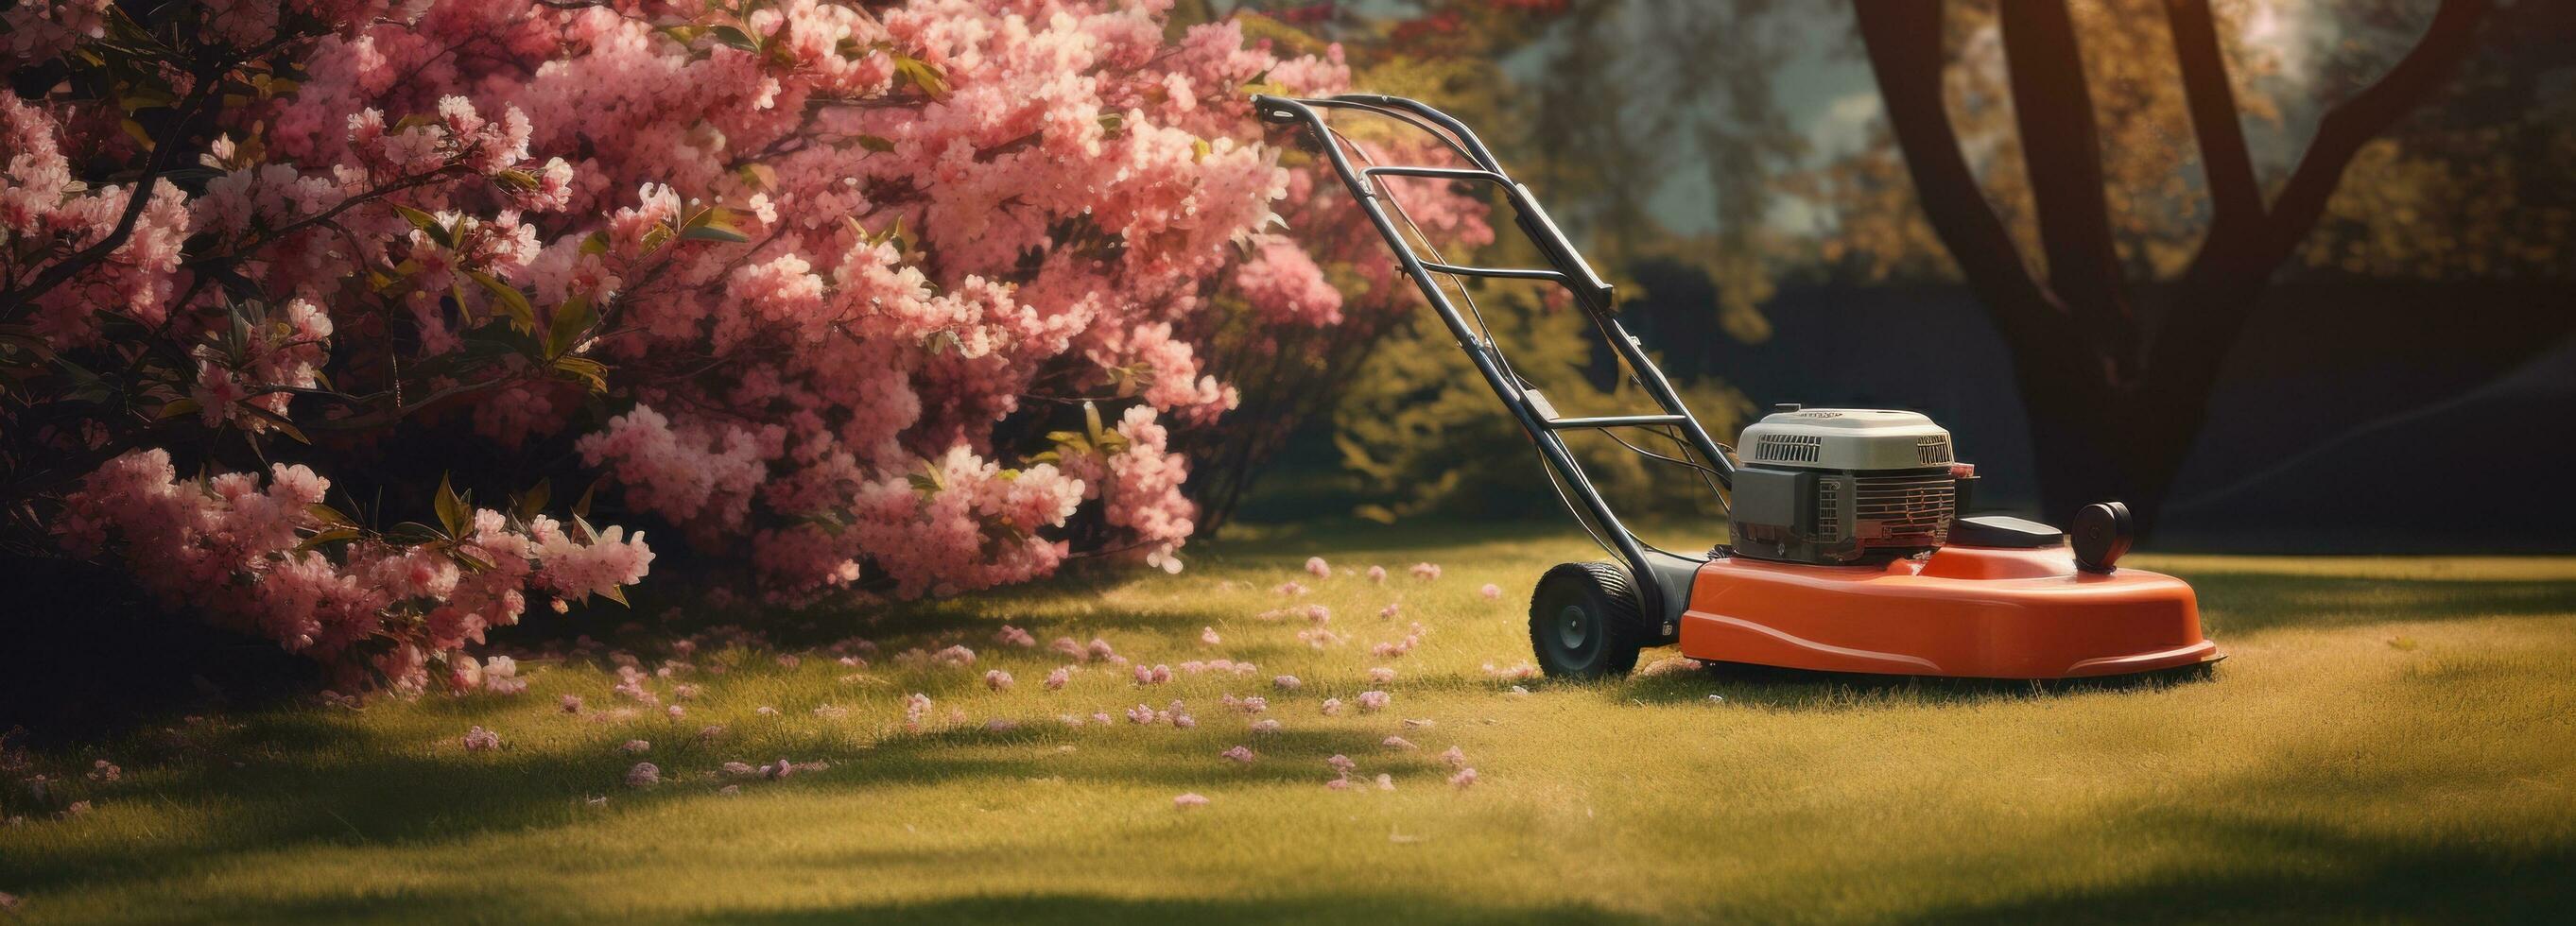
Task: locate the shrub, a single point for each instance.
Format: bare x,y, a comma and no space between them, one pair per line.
837,291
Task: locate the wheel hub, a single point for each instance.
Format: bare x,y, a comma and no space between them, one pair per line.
1573,627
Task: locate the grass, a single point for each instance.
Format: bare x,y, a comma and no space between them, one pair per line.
2391,740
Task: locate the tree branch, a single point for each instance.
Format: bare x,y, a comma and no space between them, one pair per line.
2354,122
2236,199
1903,40
135,201
2061,146
2225,278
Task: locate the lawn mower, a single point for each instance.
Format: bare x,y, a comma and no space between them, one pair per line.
1848,551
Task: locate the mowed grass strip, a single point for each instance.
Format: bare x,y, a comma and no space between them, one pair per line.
2390,739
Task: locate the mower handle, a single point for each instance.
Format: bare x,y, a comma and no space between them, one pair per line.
1566,268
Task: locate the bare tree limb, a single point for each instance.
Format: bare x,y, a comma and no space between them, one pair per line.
2225,276
2354,122
2236,199
2061,146
1903,40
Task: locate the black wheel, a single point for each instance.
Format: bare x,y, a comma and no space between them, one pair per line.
1584,621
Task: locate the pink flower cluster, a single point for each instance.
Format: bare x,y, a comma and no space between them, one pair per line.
239,551
780,272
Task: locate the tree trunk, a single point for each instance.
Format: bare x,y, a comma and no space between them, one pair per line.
2114,410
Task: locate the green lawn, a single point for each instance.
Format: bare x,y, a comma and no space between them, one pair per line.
2391,740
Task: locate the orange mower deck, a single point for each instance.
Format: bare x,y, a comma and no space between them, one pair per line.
1969,612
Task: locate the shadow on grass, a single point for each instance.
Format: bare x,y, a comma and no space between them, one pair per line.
1028,908
1078,908
311,781
2312,874
2241,603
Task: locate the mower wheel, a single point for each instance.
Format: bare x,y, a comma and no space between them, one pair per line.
1584,621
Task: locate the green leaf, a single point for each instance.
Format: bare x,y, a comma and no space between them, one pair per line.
177,407
328,515
534,503
596,244
735,37
613,593
572,320
928,480
581,506
589,534
452,511
276,421
712,232
923,74
517,178
471,562
412,534
331,535
1091,420
592,373
428,225
509,299
876,144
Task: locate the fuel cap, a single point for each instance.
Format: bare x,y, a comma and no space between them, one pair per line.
2102,532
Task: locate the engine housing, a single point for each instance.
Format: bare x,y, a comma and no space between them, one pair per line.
1843,485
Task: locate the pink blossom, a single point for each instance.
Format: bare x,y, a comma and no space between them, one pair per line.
1207,636
1398,742
1292,589
997,680
643,775
1426,571
1187,801
1388,612
1381,674
1332,707
635,747
1316,566
1286,683
1491,591
1456,757
1377,575
1374,700
1465,777
481,740
810,349
1013,636
1055,681
1265,726
1242,754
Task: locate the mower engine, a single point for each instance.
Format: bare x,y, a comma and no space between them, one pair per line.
1832,486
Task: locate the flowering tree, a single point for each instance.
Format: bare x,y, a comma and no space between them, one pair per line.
841,288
